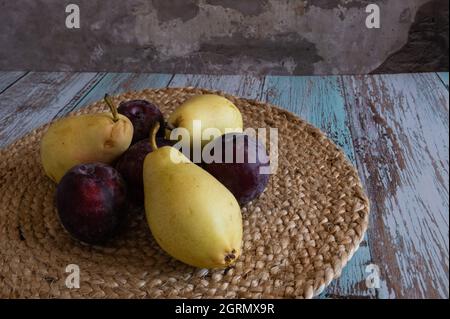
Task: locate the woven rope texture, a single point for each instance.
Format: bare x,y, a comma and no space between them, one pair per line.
298,235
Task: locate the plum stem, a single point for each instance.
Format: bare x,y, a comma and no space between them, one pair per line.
112,107
153,132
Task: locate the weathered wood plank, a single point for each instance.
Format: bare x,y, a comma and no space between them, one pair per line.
77,98
400,133
444,77
35,100
243,86
9,78
320,100
115,83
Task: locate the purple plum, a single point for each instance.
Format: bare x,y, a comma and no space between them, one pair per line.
91,202
143,115
241,175
130,165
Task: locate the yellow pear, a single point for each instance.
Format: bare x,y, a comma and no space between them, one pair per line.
192,216
74,140
213,112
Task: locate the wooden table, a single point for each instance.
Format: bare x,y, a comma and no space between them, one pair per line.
394,128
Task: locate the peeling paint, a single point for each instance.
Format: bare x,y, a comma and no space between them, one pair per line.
207,36
427,45
247,8
175,9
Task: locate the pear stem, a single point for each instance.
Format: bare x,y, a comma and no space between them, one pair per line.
169,126
112,107
153,132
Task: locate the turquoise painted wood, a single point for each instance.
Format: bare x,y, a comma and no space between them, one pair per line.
400,128
116,83
444,77
9,78
35,99
320,101
242,86
80,95
394,127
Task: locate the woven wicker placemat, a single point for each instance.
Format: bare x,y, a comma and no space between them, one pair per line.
298,235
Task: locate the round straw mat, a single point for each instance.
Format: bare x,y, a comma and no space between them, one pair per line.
298,235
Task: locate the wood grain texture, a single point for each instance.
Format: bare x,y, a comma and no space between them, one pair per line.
35,100
242,86
320,100
444,77
400,127
115,83
9,78
395,128
76,99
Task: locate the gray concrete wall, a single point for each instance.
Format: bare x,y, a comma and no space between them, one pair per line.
225,36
